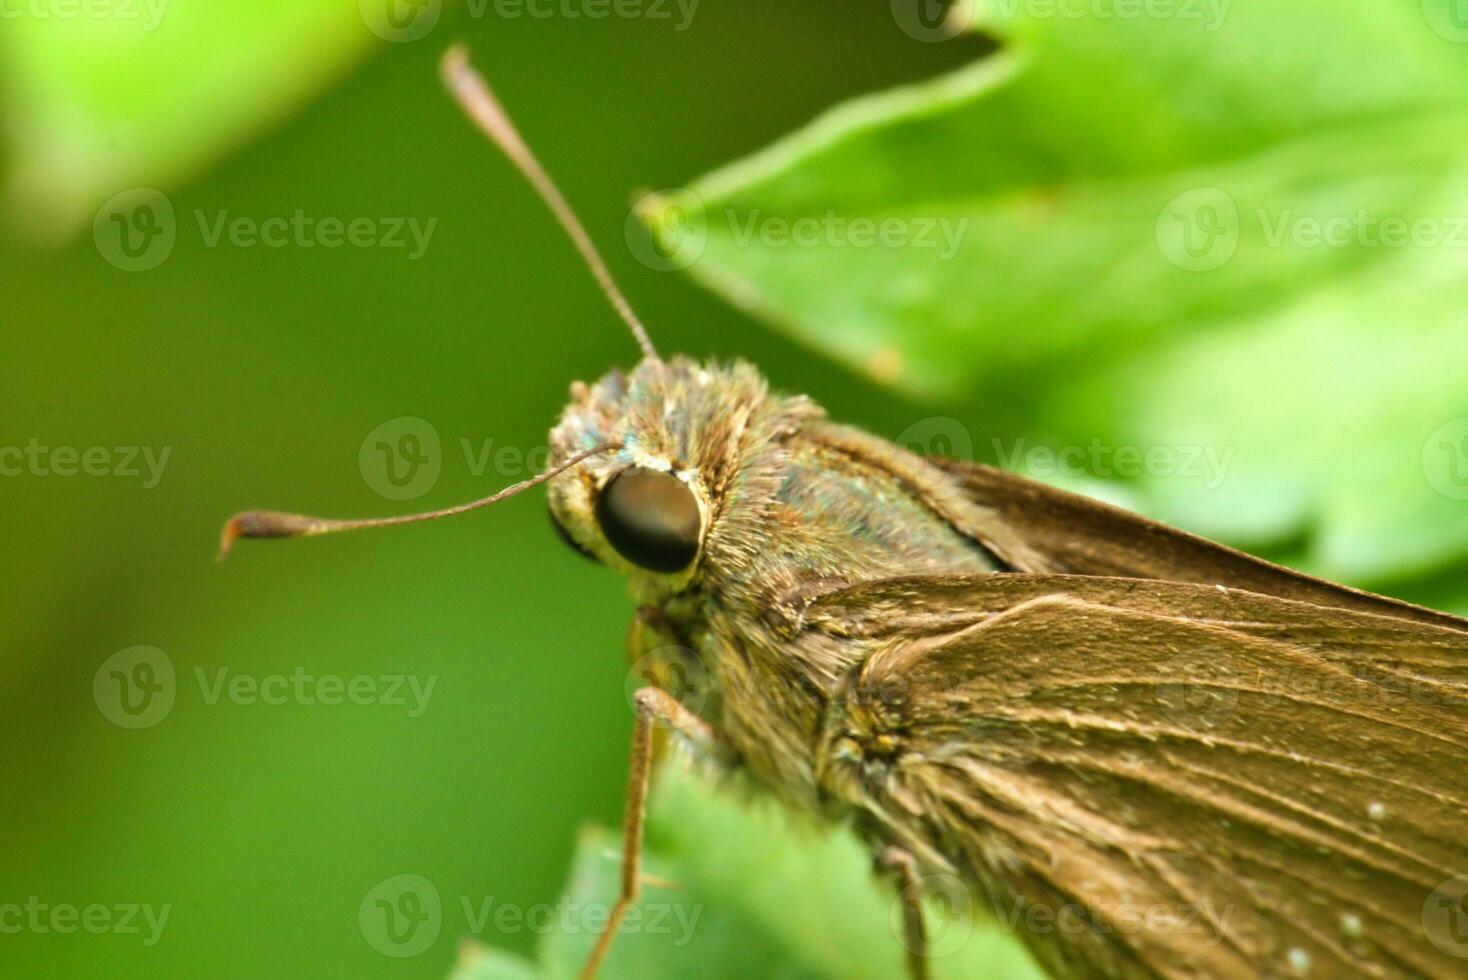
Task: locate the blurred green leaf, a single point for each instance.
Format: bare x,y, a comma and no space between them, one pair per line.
111,94
1251,239
737,888
478,963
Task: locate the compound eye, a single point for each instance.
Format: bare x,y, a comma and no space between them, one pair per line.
651,519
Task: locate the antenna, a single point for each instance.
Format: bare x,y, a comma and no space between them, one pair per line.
275,524
480,104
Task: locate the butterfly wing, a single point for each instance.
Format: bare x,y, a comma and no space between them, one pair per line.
1152,778
1070,533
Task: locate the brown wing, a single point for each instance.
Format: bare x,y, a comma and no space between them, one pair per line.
1167,779
1078,535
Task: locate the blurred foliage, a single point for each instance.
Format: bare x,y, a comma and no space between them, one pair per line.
737,888
119,92
1241,229
1330,377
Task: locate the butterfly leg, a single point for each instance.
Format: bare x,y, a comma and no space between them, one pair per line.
652,706
903,868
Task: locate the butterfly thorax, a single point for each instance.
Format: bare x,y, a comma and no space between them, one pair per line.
792,507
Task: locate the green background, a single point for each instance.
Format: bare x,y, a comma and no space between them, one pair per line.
1327,374
264,370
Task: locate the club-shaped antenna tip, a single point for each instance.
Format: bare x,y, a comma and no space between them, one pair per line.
261,524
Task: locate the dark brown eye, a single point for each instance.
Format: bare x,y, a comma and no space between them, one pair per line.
651,518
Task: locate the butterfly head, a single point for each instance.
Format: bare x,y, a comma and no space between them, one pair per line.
647,507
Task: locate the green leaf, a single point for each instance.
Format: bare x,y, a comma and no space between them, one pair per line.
478,963
1239,229
125,93
736,888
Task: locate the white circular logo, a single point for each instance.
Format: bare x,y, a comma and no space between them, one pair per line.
932,21
401,916
1445,916
674,669
136,230
1447,18
666,230
1195,691
135,688
400,21
401,458
951,925
1199,230
1445,459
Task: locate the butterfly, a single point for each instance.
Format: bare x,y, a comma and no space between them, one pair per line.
1156,755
